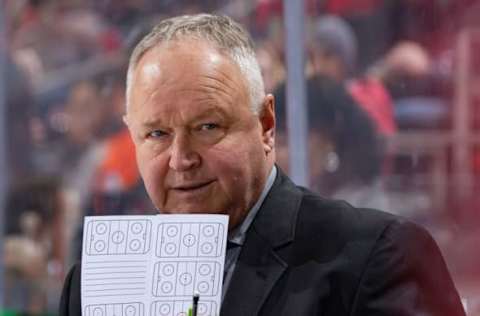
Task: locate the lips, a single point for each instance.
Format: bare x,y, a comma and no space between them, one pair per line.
192,186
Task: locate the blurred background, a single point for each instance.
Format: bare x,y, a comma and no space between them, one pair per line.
393,104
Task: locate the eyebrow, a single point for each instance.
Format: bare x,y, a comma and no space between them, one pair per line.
217,111
150,123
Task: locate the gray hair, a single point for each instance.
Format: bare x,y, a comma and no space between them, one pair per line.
221,31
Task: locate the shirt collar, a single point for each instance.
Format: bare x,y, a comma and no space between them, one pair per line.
237,236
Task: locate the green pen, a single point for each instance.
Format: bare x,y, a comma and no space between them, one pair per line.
189,312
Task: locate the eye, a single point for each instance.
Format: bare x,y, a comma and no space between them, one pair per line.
156,134
209,133
208,126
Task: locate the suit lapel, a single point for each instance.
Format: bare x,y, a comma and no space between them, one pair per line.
259,266
256,271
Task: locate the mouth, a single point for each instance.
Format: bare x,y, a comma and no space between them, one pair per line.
190,187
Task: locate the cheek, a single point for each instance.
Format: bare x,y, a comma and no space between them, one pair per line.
227,163
152,168
236,165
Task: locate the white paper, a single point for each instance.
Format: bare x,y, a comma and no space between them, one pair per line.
152,265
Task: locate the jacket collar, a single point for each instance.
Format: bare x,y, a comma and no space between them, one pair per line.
259,266
276,220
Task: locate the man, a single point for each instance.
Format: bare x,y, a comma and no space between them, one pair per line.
204,136
332,48
333,52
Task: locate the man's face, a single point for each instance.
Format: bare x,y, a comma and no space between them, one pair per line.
199,146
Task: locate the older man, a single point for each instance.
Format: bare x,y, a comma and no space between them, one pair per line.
204,135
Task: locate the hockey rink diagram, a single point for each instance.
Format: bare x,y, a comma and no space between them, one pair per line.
128,309
179,308
116,237
189,240
157,265
186,278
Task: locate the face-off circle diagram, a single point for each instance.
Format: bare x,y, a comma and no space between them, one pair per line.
208,231
170,248
118,237
189,240
172,231
101,228
165,309
98,311
203,287
185,278
167,287
130,310
168,270
206,248
137,228
135,245
204,269
202,308
100,245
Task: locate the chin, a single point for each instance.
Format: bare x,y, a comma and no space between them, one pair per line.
189,210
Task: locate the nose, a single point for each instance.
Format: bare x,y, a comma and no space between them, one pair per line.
183,157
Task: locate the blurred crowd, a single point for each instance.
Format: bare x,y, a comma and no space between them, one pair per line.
375,70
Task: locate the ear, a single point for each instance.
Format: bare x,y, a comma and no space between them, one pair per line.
267,120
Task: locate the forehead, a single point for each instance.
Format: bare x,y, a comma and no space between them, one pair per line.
186,68
182,61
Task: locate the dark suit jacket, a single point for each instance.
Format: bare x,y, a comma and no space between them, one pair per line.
305,255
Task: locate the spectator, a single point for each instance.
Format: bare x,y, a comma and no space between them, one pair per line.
270,62
114,185
19,103
333,53
333,48
407,72
344,152
34,241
